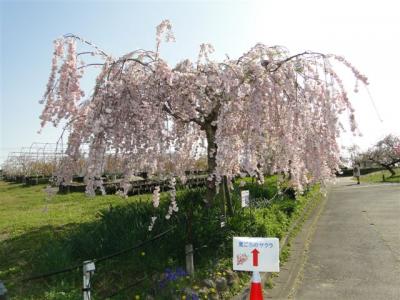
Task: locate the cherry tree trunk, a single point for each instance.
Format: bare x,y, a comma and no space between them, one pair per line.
211,161
389,168
212,149
228,197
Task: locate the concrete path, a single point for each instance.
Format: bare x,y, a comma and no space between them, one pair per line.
350,250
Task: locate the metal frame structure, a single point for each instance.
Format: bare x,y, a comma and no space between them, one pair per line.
39,159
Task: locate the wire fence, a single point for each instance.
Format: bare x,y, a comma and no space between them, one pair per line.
144,277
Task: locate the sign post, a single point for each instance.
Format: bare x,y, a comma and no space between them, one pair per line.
257,255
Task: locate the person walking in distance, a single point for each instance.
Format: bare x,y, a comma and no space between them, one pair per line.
356,172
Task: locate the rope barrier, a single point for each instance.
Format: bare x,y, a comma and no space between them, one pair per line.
46,275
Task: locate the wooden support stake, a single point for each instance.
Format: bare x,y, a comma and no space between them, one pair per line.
189,259
3,292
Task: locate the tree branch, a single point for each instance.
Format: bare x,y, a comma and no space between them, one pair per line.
280,63
70,35
179,116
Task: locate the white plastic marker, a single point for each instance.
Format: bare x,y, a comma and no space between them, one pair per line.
245,195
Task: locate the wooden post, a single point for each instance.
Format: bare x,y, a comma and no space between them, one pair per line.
189,259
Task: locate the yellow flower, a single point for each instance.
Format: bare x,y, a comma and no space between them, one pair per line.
212,290
183,297
137,297
195,287
218,273
143,253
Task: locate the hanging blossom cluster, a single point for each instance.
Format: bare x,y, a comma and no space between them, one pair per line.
156,196
152,222
267,110
156,203
61,102
173,207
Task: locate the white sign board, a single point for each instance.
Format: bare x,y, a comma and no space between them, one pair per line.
245,195
256,254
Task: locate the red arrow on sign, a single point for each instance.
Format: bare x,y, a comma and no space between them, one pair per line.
255,257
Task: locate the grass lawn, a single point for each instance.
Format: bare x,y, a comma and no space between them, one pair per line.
24,209
377,177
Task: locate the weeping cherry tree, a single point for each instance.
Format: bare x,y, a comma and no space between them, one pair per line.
265,104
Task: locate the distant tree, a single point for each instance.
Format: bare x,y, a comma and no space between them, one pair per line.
354,152
234,111
385,153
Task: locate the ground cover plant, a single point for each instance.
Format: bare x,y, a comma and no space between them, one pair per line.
39,235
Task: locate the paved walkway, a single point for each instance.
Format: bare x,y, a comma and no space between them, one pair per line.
351,251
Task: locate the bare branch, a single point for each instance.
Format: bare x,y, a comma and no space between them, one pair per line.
70,35
90,65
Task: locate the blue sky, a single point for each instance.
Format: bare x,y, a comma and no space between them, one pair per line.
366,32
